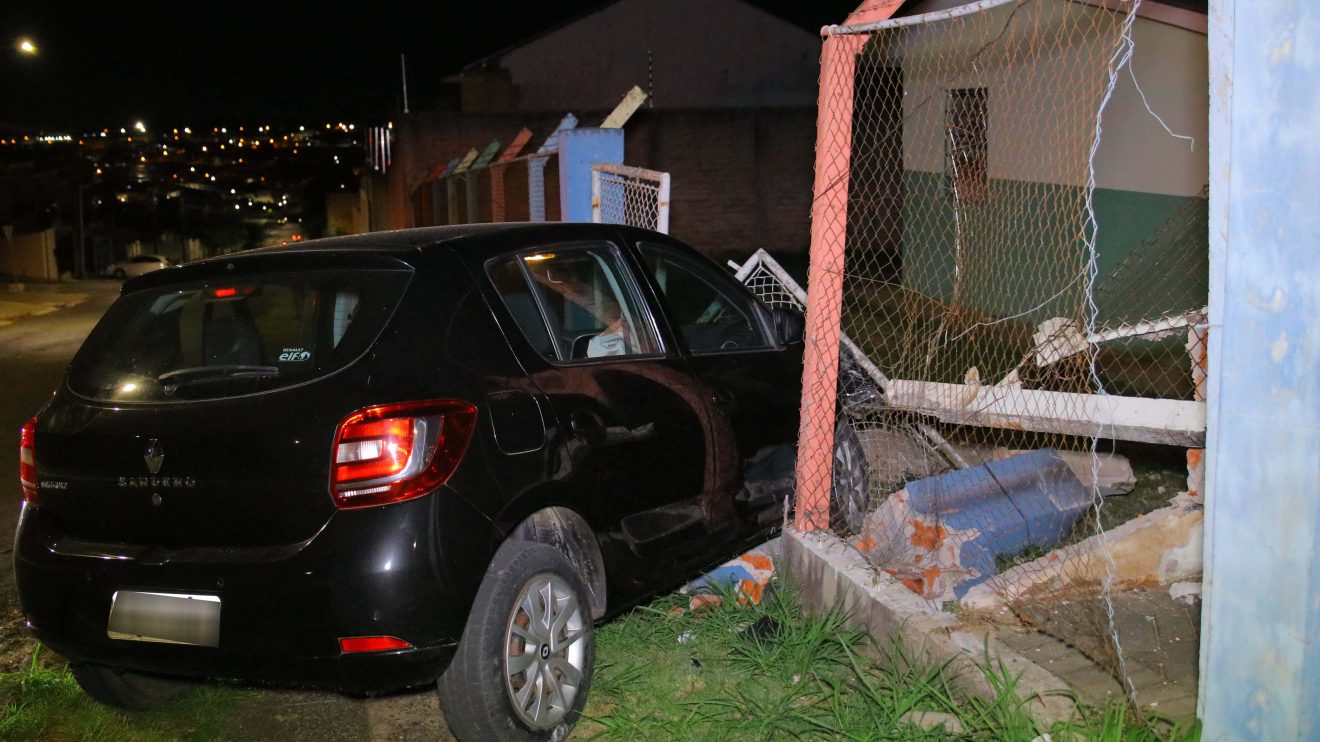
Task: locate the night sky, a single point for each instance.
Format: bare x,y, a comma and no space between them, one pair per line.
208,63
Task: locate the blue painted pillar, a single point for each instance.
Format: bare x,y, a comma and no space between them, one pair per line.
578,149
1260,649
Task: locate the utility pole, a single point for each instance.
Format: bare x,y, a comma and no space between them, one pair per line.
80,252
13,254
403,68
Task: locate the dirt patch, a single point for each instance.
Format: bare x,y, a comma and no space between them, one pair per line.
294,714
15,643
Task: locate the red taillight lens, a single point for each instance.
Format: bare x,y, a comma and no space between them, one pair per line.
352,644
27,460
397,452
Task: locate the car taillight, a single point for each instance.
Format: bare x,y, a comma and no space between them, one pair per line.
27,460
392,453
355,644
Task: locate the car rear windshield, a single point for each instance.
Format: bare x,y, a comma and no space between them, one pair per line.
210,339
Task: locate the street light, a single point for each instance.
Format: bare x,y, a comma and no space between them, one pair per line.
26,46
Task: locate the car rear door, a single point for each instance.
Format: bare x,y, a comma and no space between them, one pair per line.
631,436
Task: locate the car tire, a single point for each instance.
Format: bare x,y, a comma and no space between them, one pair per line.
507,679
127,690
119,273
850,490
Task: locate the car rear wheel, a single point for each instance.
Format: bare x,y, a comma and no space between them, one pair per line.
524,665
119,273
125,689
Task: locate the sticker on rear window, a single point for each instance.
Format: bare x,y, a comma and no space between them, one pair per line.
295,354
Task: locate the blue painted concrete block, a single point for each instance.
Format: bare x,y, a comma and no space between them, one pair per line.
1030,499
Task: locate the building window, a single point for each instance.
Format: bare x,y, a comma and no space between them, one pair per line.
966,145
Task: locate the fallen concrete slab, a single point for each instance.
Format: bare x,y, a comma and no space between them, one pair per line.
1113,476
941,535
1167,421
1162,547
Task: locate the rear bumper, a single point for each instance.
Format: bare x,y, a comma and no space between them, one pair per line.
370,572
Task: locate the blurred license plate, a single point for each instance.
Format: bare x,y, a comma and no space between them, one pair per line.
165,617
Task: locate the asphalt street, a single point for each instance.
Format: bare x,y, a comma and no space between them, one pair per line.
34,352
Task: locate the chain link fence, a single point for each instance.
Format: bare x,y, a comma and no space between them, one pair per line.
1011,369
635,196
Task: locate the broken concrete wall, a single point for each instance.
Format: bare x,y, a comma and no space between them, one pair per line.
940,535
1161,547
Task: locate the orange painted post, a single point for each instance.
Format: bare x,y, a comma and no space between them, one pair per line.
498,200
829,231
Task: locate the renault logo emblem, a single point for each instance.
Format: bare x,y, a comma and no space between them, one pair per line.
154,456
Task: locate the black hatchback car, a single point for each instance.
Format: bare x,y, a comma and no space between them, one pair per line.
376,462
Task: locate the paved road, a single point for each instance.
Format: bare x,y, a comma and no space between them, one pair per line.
34,352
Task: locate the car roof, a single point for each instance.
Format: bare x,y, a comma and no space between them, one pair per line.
476,242
463,236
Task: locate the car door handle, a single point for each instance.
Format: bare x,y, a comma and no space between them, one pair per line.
587,425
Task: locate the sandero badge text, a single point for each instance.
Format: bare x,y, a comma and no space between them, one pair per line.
155,459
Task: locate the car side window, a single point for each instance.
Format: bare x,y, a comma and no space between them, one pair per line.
575,302
710,310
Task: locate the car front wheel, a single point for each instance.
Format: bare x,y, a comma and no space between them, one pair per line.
850,496
523,667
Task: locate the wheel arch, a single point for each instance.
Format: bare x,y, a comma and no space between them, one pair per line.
569,533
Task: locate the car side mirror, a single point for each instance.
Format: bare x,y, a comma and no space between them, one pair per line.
790,325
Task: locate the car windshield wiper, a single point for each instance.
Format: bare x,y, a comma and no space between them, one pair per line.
203,374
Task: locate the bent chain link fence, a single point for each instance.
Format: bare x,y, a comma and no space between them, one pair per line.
635,196
986,362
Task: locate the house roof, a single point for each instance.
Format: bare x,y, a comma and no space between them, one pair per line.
486,60
1187,14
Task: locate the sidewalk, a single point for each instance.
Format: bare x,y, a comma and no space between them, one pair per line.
43,298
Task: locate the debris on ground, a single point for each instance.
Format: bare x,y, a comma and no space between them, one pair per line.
1185,592
747,575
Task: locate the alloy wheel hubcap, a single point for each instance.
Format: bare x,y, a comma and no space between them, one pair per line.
544,657
850,489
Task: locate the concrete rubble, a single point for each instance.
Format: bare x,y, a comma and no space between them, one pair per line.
1162,547
941,535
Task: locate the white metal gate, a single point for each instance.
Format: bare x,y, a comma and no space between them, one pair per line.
630,195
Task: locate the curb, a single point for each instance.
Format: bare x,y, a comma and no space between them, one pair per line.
828,572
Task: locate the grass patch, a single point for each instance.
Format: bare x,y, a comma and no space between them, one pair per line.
42,701
1031,553
775,672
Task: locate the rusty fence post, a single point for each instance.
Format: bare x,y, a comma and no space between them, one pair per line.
829,228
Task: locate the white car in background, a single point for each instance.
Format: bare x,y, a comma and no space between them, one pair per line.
137,265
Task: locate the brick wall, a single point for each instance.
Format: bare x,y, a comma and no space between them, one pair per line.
741,177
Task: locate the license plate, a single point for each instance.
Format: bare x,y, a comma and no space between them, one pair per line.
165,617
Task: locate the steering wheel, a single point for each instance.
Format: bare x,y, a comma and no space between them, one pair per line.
732,336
